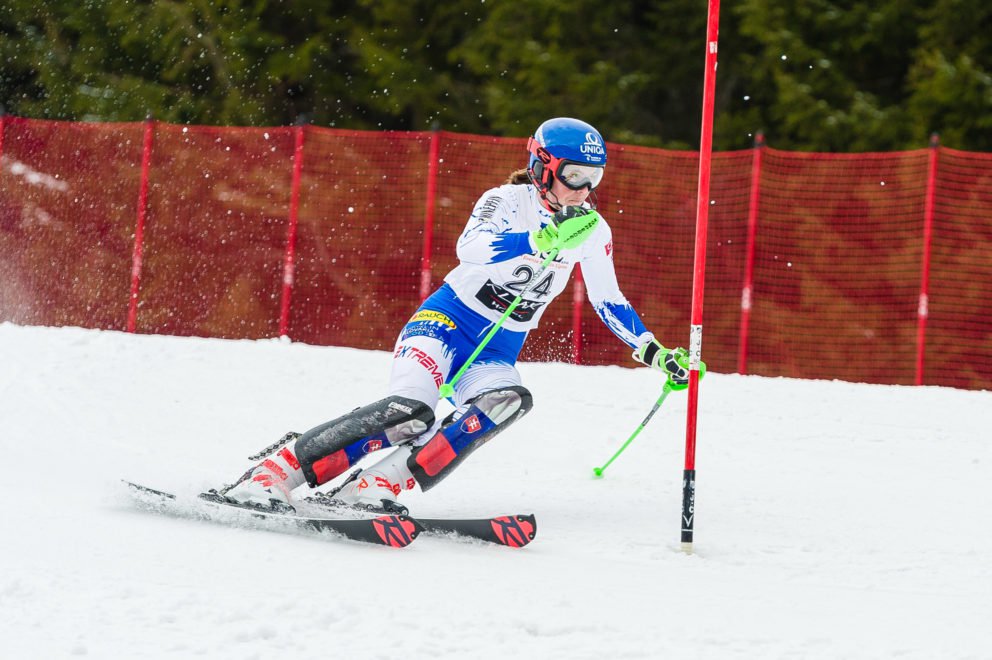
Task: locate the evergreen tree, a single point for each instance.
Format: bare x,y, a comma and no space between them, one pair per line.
950,82
827,75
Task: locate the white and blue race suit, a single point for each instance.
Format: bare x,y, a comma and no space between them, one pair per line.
498,261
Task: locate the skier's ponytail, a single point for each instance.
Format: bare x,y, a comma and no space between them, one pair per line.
518,177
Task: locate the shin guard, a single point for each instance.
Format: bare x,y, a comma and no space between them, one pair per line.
487,414
328,450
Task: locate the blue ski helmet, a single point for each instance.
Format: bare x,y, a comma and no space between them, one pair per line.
569,150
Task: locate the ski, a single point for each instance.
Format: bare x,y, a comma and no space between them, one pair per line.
514,531
391,530
511,531
396,529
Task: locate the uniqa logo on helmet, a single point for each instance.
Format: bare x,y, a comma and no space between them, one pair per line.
593,146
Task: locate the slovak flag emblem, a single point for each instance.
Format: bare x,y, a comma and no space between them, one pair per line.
472,424
373,445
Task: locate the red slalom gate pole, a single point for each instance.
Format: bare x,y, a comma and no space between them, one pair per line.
425,259
137,255
747,294
923,309
699,274
289,258
578,297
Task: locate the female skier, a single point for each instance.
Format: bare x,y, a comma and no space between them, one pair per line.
509,236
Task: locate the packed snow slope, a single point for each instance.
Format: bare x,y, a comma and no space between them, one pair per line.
834,520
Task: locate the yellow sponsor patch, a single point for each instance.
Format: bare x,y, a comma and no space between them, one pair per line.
433,317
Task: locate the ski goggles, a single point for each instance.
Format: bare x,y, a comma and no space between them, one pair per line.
577,177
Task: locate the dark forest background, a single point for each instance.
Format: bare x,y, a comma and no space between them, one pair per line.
811,74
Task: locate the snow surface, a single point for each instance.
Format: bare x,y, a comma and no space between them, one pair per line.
834,520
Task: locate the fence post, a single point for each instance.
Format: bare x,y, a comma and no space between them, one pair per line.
289,262
923,309
3,121
578,295
425,259
139,227
747,293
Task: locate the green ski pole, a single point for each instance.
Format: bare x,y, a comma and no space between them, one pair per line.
598,471
448,388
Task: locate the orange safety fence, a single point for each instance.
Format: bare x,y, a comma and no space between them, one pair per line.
863,267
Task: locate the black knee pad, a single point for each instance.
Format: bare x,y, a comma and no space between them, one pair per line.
487,415
320,449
